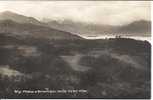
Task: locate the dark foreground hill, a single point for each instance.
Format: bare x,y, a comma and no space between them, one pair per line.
113,68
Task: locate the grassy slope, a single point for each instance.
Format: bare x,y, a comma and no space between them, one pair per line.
118,68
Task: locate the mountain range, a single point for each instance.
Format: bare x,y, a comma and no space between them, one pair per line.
136,28
27,26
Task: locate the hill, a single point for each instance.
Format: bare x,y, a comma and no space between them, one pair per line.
8,15
142,27
36,31
113,68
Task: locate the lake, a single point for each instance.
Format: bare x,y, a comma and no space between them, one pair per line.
143,38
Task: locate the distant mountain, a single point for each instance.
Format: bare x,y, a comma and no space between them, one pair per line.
37,31
136,28
8,15
79,28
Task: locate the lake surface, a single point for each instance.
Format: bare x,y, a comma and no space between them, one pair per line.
143,38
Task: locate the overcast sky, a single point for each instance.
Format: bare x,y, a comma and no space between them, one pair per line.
101,12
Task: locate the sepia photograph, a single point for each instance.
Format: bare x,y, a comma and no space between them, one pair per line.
75,49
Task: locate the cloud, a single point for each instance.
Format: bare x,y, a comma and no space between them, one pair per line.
101,12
